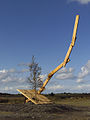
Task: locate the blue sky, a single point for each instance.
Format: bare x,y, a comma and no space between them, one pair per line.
44,28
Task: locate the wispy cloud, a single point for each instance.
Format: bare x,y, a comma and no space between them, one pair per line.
85,71
68,74
43,77
80,1
3,71
10,75
13,79
64,74
55,88
10,79
84,86
13,89
79,80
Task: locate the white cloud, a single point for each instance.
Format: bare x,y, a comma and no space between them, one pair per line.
80,80
84,86
65,74
3,71
3,76
12,79
80,1
7,79
43,77
65,70
13,89
55,87
8,88
85,71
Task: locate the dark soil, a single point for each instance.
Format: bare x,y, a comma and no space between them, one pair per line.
42,112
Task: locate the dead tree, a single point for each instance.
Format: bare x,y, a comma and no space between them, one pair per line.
34,78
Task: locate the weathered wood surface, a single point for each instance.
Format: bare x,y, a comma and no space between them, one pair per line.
30,95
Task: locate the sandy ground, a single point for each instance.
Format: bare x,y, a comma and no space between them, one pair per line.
43,112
